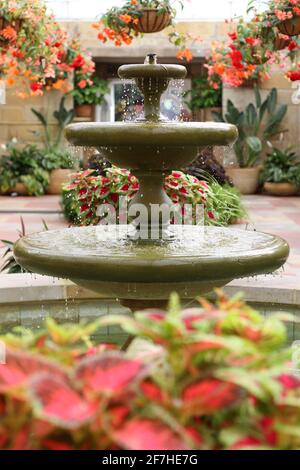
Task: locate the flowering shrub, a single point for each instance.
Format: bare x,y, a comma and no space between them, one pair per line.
242,57
120,24
88,190
213,377
281,10
40,55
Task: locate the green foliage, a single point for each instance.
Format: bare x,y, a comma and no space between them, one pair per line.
203,95
225,203
23,166
214,377
62,116
88,190
91,94
281,166
10,265
31,166
257,124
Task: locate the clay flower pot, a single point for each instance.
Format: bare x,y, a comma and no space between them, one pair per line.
290,27
280,43
19,188
58,178
246,180
151,21
84,110
281,189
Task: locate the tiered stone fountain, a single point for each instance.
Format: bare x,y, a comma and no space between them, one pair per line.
143,272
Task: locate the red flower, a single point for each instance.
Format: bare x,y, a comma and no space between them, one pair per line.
250,41
292,45
293,75
233,35
35,86
78,62
211,215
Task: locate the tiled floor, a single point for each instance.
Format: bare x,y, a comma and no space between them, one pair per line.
280,216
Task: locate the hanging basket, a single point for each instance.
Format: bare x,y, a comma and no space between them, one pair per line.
152,21
280,43
290,27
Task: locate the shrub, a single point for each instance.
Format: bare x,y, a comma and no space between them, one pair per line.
214,377
83,196
281,166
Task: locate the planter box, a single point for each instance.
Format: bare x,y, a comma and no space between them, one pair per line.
84,111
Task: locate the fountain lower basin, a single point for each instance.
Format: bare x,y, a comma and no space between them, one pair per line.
103,260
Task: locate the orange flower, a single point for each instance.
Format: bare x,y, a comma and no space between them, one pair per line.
185,54
134,2
9,33
10,82
126,18
82,84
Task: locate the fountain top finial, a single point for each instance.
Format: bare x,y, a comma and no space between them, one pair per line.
151,59
152,69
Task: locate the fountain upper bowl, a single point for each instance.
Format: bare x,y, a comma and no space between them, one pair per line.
151,146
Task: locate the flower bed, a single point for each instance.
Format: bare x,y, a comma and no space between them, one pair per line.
88,190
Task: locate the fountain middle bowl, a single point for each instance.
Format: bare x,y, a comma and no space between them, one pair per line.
148,145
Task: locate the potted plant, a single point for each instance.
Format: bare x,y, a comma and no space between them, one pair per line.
22,171
87,94
123,24
281,173
58,162
214,377
256,125
284,15
243,58
203,99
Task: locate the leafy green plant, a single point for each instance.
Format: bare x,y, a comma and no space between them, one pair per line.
215,377
63,117
10,265
203,95
281,166
91,94
257,124
23,166
81,199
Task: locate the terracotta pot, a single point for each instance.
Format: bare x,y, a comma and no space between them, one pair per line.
290,27
152,22
280,43
84,110
281,189
19,188
58,178
245,179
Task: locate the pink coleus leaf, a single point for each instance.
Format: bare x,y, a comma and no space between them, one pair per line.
20,366
146,434
108,372
57,402
208,396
